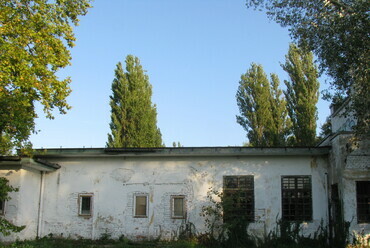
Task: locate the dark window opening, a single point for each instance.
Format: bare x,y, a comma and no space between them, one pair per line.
2,207
296,198
238,201
85,205
363,201
336,206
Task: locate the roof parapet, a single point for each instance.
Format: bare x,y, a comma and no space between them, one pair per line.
180,152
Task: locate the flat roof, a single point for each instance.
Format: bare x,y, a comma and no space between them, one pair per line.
180,152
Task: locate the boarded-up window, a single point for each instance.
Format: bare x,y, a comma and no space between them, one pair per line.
296,198
238,197
178,207
141,206
363,201
85,204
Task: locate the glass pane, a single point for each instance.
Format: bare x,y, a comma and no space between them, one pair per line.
85,204
178,207
296,198
363,201
231,182
140,206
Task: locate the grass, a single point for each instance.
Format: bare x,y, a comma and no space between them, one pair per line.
85,243
123,243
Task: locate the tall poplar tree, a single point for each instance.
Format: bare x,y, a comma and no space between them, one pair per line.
262,109
281,124
302,94
338,32
133,116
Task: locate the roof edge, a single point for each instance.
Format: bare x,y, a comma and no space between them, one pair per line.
180,152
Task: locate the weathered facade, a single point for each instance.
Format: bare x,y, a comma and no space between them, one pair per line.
149,193
111,179
349,173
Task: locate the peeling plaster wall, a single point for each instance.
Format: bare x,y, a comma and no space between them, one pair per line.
22,208
115,181
350,164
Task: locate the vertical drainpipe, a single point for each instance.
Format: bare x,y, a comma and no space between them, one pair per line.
41,203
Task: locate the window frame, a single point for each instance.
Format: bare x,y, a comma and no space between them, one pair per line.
146,207
247,189
80,202
184,210
301,206
362,202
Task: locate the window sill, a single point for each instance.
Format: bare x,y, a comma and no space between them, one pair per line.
178,217
86,216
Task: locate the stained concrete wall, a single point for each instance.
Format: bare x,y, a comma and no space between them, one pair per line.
114,182
349,162
22,208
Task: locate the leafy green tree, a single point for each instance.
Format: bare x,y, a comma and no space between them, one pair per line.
178,144
133,116
262,110
6,228
302,94
325,129
338,32
34,39
281,124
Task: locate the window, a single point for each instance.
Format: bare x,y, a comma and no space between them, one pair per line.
178,207
296,198
2,207
85,204
238,197
141,206
363,201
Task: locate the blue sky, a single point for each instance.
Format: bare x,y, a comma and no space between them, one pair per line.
194,53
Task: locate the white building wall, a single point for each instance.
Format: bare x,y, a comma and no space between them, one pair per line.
22,208
114,182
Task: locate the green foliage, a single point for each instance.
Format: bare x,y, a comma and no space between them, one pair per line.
262,109
302,95
133,116
234,231
281,123
361,240
6,228
325,129
34,41
178,144
187,231
50,242
338,32
221,232
289,235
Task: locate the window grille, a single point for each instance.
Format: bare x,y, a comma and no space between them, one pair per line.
296,198
363,201
238,197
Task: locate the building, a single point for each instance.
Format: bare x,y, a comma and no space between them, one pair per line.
148,193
